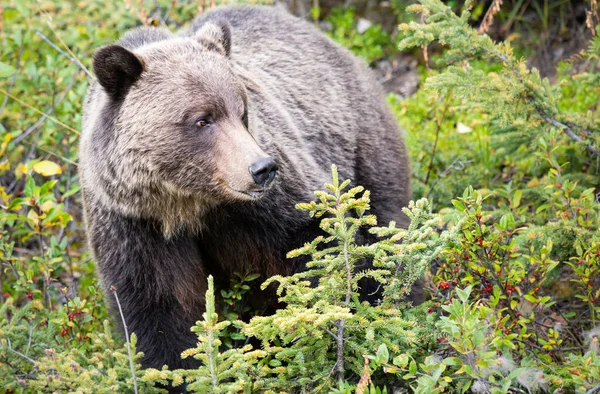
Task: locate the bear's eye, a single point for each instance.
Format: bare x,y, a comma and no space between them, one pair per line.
203,122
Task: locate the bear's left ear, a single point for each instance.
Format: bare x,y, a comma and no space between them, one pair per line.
216,35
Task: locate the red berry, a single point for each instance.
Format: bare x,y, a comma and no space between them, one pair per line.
71,316
5,295
566,214
64,331
429,310
559,185
580,262
29,295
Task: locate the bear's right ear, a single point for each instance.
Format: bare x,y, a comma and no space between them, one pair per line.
216,35
117,69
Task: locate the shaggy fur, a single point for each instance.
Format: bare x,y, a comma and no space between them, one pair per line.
163,205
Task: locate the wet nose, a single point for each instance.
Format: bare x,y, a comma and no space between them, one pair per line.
263,171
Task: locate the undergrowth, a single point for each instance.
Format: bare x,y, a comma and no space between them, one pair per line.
503,234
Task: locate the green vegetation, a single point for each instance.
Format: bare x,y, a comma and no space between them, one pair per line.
503,234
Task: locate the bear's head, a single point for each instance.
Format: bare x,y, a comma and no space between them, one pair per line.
167,129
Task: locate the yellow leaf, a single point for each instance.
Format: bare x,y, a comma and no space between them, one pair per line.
47,168
5,165
33,217
47,206
4,144
21,169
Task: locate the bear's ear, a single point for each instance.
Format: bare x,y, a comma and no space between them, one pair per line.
216,35
117,69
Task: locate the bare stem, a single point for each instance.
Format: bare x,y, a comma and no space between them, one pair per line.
567,129
135,390
19,353
66,126
339,365
71,58
594,390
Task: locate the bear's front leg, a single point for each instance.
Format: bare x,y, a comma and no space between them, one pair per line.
160,283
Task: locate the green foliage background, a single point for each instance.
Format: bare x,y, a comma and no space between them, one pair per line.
509,163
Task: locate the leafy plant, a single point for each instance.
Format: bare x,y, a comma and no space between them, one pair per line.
372,44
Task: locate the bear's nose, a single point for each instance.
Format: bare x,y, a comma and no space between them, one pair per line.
263,171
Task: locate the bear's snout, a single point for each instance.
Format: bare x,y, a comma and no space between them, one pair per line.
263,171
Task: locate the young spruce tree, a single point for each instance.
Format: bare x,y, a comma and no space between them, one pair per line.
324,332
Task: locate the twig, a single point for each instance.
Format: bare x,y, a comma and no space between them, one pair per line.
541,111
488,19
19,353
114,290
453,166
49,22
32,128
53,154
438,127
66,126
567,130
329,332
72,59
594,390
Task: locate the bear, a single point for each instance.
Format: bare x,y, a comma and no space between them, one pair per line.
197,146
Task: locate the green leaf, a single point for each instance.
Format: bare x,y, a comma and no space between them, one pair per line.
6,70
507,221
531,298
463,295
29,186
517,198
383,355
459,205
412,368
401,360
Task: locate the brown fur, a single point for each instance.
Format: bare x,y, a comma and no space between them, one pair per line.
166,203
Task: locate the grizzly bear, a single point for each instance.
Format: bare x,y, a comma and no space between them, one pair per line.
196,147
